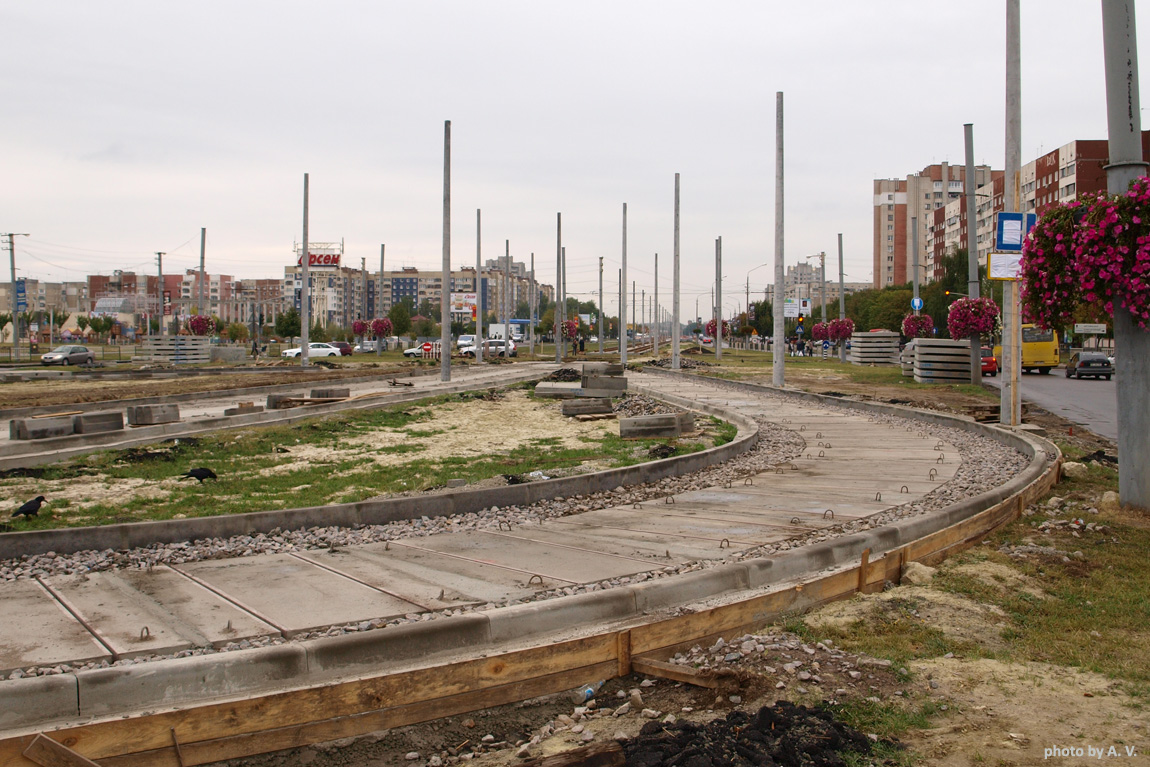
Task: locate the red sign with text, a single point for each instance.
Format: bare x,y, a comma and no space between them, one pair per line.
319,259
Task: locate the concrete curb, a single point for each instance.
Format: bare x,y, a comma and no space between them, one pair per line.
131,535
203,678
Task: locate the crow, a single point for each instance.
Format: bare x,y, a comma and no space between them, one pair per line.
201,474
30,509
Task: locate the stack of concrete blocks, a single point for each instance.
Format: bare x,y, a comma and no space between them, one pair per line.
152,415
179,350
906,358
603,379
670,425
875,348
587,406
941,360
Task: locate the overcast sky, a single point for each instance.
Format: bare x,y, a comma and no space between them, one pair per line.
127,126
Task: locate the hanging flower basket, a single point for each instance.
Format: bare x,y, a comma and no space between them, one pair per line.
820,331
971,316
201,325
840,330
1093,252
360,328
381,327
570,329
711,329
917,326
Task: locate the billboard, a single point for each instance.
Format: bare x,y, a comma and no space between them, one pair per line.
793,307
322,260
464,303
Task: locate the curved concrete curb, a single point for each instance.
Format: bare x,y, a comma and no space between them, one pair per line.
132,535
134,688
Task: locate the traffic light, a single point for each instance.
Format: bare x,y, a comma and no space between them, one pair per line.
801,320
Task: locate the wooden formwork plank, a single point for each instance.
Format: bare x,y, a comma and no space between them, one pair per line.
48,753
283,720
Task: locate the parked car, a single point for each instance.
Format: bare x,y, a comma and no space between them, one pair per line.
989,362
313,350
594,339
493,347
366,346
464,341
1095,364
414,351
344,347
68,355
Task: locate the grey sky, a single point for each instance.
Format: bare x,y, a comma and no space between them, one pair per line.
129,125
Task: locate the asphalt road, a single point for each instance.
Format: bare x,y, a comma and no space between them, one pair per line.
1092,402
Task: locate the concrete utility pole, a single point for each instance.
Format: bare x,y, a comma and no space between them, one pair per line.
563,262
623,295
780,343
633,325
718,337
505,294
445,288
601,304
480,294
558,313
823,270
363,293
675,287
12,295
914,256
203,246
842,299
972,259
532,303
1124,118
305,284
655,308
160,269
1010,402
379,301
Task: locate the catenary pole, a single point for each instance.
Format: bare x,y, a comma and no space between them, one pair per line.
1010,407
717,339
1132,366
779,357
972,258
675,334
558,313
480,293
655,309
532,302
445,285
623,295
842,299
601,311
160,269
305,283
203,247
379,301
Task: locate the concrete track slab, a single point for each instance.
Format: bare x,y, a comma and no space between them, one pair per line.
552,563
660,522
422,575
38,631
159,612
296,595
657,550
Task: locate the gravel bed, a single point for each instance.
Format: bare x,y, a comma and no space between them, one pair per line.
985,464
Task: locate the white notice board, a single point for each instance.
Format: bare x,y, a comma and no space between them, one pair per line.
1004,266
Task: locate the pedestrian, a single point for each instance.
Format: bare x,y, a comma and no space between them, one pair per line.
255,349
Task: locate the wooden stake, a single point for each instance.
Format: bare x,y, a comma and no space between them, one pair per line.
47,752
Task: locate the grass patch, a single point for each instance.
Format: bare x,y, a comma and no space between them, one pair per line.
724,431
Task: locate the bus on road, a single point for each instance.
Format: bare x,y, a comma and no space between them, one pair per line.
1039,349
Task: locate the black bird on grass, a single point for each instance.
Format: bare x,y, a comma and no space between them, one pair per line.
200,473
31,508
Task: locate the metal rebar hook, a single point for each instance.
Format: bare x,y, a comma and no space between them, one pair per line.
904,489
878,496
829,511
933,473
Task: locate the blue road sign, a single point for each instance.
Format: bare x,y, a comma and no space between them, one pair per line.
1010,229
916,303
21,297
826,345
798,331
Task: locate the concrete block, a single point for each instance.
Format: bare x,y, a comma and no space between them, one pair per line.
93,423
177,681
275,401
244,408
396,643
36,700
151,415
686,421
650,426
41,428
557,390
604,382
536,618
587,406
330,393
598,393
603,369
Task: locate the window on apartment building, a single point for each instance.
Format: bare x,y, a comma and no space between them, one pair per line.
890,218
890,259
938,195
890,227
890,238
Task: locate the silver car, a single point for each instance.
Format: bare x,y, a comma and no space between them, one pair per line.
313,350
69,355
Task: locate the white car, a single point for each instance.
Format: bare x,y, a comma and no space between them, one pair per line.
313,350
465,341
493,347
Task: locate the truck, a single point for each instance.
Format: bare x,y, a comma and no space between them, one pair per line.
499,330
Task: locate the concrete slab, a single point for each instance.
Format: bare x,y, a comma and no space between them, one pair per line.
658,551
406,569
295,594
552,563
653,519
45,634
161,612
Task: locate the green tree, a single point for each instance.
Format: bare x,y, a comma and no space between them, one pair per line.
83,322
428,309
426,328
237,332
317,334
400,316
4,320
288,324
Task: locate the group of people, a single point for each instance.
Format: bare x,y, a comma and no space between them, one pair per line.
797,347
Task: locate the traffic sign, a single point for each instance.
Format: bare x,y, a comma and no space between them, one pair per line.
826,344
799,330
21,297
916,303
1090,328
426,347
